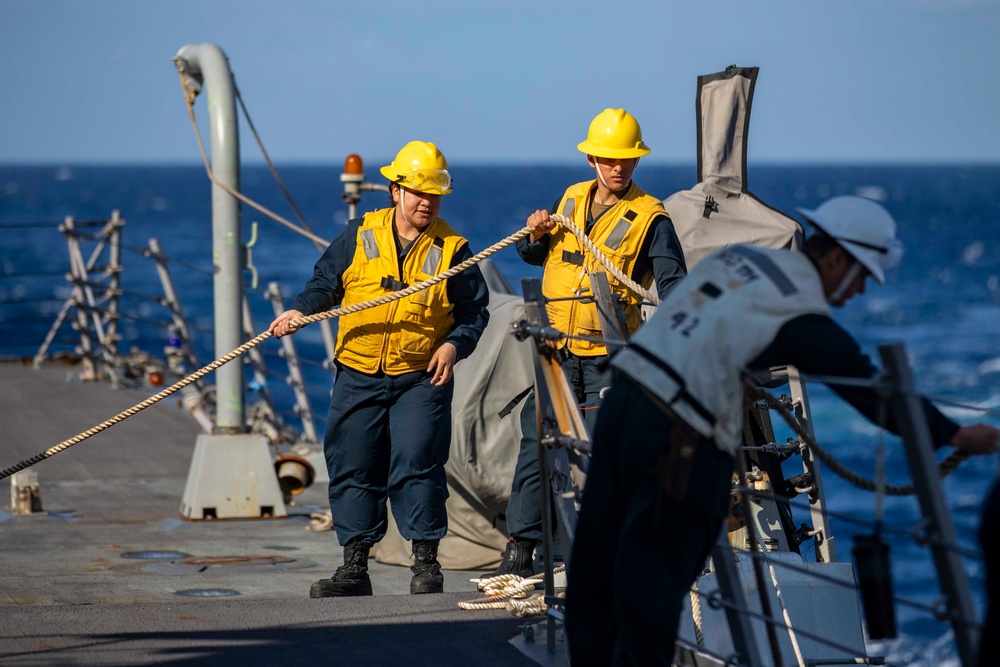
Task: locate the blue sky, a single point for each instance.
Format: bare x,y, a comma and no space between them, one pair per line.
514,81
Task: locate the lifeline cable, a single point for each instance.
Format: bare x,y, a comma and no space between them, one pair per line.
944,468
717,601
189,96
267,158
933,609
869,382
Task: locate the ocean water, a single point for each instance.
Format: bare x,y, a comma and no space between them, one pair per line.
943,302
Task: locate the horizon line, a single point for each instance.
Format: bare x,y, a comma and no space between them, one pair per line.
929,162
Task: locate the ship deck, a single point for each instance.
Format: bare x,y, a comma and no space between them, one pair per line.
97,578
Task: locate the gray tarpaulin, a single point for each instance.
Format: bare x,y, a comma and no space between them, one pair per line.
720,211
483,446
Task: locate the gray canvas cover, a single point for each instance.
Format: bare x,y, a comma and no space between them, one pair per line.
483,446
720,211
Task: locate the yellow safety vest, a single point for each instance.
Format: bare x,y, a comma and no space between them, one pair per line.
400,336
619,234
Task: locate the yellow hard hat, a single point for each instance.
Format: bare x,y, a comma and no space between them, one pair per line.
420,166
614,133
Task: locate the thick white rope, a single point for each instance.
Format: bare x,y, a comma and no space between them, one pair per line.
511,592
699,633
320,521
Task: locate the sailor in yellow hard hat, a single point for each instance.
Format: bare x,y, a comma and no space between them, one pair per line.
631,229
389,428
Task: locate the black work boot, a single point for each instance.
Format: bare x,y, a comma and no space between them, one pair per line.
351,578
427,577
517,559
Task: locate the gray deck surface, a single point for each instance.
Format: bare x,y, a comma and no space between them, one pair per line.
71,595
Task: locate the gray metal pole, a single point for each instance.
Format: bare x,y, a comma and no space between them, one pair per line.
207,62
114,230
908,410
232,474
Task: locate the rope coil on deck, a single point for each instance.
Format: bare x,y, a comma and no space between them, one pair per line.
511,592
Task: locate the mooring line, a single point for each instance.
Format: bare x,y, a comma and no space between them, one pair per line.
250,344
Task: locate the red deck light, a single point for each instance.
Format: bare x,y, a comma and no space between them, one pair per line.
353,164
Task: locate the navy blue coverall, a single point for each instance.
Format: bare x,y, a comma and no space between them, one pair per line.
388,437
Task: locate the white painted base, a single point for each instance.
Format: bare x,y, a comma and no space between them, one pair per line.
232,477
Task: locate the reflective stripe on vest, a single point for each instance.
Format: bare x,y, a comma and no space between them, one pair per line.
400,336
368,242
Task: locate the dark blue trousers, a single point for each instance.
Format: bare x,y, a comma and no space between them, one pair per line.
638,548
524,510
387,437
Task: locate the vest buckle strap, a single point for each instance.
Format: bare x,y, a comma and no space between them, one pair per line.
392,284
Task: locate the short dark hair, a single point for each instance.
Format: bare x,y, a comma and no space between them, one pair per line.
819,245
